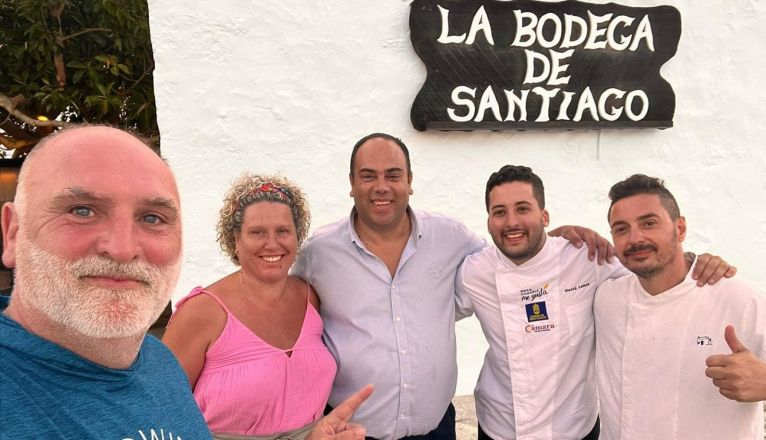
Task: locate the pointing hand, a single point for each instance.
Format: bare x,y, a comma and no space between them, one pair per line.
335,426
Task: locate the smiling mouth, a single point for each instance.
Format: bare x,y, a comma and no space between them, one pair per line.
514,236
273,258
381,202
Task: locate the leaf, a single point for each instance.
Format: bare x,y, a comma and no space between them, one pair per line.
91,101
77,76
93,76
76,64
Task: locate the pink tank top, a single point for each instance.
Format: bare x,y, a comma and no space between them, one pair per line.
248,387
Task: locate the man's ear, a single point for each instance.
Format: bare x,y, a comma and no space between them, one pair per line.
351,182
546,218
10,224
681,228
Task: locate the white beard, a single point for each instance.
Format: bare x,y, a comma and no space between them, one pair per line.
54,286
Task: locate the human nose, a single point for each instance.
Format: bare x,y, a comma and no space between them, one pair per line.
636,235
119,241
271,241
510,220
381,184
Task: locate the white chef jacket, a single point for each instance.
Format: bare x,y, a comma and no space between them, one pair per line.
651,353
538,380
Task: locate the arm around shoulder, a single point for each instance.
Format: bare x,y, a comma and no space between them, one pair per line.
463,303
598,246
709,269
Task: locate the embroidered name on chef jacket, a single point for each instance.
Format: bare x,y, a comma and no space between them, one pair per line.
536,311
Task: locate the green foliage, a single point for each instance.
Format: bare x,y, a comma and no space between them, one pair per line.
103,49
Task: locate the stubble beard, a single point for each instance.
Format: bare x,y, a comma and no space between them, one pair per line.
54,286
651,271
535,241
647,272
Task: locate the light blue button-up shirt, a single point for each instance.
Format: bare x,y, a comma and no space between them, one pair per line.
396,333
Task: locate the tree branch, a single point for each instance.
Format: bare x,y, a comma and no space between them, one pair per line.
14,144
57,10
7,104
143,75
84,31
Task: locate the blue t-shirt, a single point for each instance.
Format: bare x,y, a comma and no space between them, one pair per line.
47,391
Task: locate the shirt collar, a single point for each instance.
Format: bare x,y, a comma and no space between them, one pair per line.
688,284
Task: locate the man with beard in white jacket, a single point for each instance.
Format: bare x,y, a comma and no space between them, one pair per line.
657,332
533,296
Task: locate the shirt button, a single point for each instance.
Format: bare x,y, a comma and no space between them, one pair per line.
404,351
398,319
405,385
393,286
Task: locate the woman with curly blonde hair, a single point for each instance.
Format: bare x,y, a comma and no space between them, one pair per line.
251,343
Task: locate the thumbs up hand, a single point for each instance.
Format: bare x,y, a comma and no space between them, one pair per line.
740,376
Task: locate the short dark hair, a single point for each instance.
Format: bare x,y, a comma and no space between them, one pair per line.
516,173
643,184
387,137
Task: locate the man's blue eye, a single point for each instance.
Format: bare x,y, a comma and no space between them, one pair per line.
152,219
81,211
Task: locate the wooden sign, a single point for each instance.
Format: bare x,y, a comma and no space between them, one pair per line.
523,64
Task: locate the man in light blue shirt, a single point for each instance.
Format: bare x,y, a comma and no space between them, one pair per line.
385,276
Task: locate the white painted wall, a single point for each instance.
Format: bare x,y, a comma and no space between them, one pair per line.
288,87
